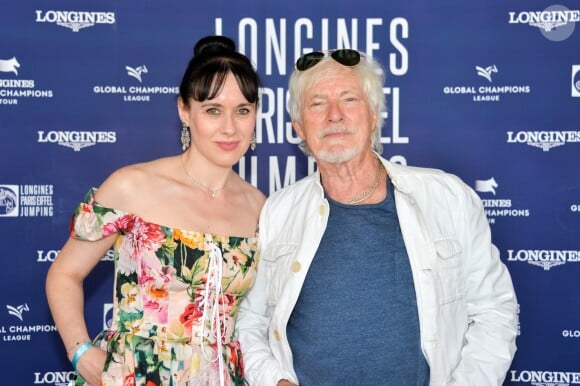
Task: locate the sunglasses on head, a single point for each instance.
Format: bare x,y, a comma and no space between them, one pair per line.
344,56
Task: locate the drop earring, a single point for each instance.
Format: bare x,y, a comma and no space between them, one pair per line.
185,136
253,142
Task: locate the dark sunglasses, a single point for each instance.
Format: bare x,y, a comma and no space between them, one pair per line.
344,56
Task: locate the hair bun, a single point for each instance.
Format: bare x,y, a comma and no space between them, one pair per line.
213,44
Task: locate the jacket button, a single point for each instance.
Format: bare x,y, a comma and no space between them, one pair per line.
277,334
322,210
296,266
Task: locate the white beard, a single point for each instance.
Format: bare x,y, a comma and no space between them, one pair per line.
337,156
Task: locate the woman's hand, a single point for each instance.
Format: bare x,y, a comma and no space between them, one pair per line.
91,364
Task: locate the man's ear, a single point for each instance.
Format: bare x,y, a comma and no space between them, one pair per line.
298,129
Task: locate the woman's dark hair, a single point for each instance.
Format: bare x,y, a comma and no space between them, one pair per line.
214,57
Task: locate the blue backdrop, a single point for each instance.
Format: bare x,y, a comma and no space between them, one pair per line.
489,90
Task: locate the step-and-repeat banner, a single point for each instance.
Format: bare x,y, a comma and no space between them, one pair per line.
488,90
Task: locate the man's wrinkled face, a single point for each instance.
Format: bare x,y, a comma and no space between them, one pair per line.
337,120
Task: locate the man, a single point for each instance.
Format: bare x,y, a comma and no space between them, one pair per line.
371,273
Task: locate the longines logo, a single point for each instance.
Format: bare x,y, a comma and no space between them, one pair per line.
56,378
75,20
545,378
9,200
556,22
486,93
48,256
496,207
107,315
26,200
544,258
76,140
11,90
136,93
576,80
545,140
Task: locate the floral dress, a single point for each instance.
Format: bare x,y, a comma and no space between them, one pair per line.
176,298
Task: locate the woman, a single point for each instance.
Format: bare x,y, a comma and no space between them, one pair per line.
184,234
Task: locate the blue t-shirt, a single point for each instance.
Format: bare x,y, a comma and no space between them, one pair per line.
356,321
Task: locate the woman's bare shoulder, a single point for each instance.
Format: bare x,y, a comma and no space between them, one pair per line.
255,196
129,183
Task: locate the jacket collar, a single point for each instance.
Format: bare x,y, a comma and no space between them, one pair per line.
318,183
396,173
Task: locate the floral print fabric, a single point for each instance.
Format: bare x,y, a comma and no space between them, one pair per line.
176,298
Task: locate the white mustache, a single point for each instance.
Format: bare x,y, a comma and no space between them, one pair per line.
336,129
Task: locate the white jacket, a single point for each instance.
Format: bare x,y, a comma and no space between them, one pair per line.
465,297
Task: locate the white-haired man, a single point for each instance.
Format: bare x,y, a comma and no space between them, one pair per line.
370,272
